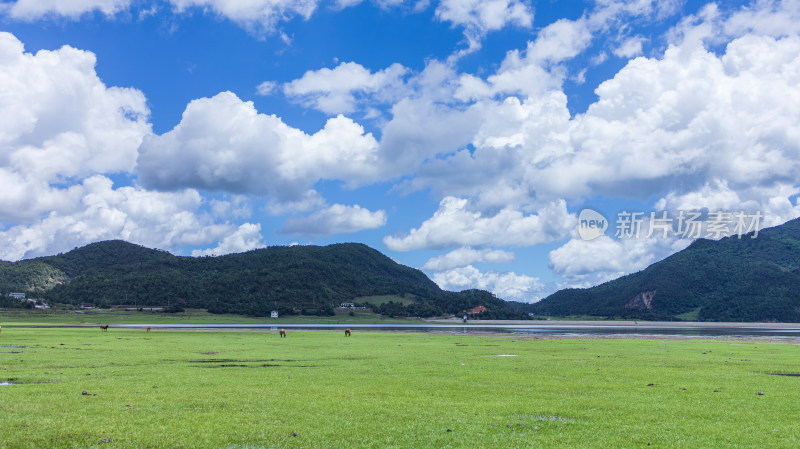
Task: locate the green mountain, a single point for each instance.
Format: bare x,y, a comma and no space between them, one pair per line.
732,279
310,279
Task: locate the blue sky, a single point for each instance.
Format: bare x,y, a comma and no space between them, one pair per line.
461,137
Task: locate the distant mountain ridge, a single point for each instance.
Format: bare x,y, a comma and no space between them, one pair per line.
312,279
732,279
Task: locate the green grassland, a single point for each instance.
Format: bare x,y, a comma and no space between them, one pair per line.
247,389
26,317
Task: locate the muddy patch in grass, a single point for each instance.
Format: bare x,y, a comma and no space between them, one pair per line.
554,418
231,365
785,374
264,365
15,381
239,361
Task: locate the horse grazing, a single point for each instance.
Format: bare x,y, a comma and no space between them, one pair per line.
148,329
104,327
283,333
347,332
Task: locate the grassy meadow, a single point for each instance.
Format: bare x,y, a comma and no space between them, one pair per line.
248,389
33,317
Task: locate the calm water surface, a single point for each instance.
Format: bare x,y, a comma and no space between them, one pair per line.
523,329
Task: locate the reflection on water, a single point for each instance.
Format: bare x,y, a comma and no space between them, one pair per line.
525,329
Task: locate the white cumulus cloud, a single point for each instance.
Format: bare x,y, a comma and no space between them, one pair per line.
59,121
464,256
630,47
341,89
455,224
508,286
247,237
258,16
30,10
335,219
100,212
582,263
266,88
223,143
479,17
665,127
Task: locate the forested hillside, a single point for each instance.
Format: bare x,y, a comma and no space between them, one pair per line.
309,279
747,279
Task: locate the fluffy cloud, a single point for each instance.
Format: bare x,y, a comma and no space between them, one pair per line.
775,203
630,47
448,112
67,124
36,9
338,90
692,118
310,200
767,17
259,16
512,142
336,219
266,88
539,68
455,224
479,17
245,238
508,286
536,70
420,130
583,263
663,128
711,25
223,143
236,207
462,257
61,131
100,212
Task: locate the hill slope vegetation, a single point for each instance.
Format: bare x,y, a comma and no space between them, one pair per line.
732,279
309,279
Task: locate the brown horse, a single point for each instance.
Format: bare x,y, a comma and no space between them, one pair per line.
283,333
148,329
347,332
104,327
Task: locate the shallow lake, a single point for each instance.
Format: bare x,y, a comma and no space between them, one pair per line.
524,329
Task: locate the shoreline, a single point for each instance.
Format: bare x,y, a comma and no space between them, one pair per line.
628,324
620,323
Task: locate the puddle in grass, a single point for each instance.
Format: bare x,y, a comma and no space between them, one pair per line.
238,363
14,381
12,346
